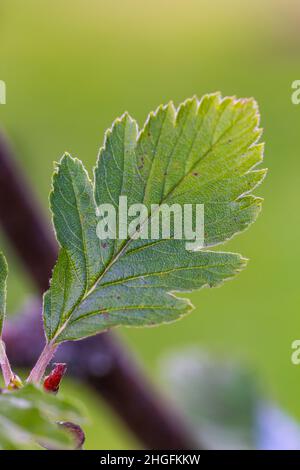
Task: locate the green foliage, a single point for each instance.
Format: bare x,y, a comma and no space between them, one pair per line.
3,278
203,152
29,417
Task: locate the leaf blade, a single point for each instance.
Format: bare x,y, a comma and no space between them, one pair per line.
205,152
3,280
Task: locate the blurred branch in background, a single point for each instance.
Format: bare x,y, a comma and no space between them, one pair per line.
101,361
23,220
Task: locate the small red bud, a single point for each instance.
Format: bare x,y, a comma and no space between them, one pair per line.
52,381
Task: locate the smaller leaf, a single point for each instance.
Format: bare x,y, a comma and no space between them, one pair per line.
7,373
3,279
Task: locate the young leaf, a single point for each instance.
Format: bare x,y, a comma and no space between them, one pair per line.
3,279
28,420
202,153
10,379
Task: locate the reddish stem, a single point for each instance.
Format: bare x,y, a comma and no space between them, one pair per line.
39,369
5,365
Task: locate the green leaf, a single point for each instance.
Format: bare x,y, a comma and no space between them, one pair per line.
29,417
3,279
79,262
202,153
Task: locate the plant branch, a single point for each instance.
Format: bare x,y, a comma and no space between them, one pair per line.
7,373
23,220
101,361
40,367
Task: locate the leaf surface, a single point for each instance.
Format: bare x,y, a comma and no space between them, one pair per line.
204,152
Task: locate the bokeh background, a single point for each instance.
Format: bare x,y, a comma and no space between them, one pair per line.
72,66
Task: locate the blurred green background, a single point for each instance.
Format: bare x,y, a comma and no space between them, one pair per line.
72,66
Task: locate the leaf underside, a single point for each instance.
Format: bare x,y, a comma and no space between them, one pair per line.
204,152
